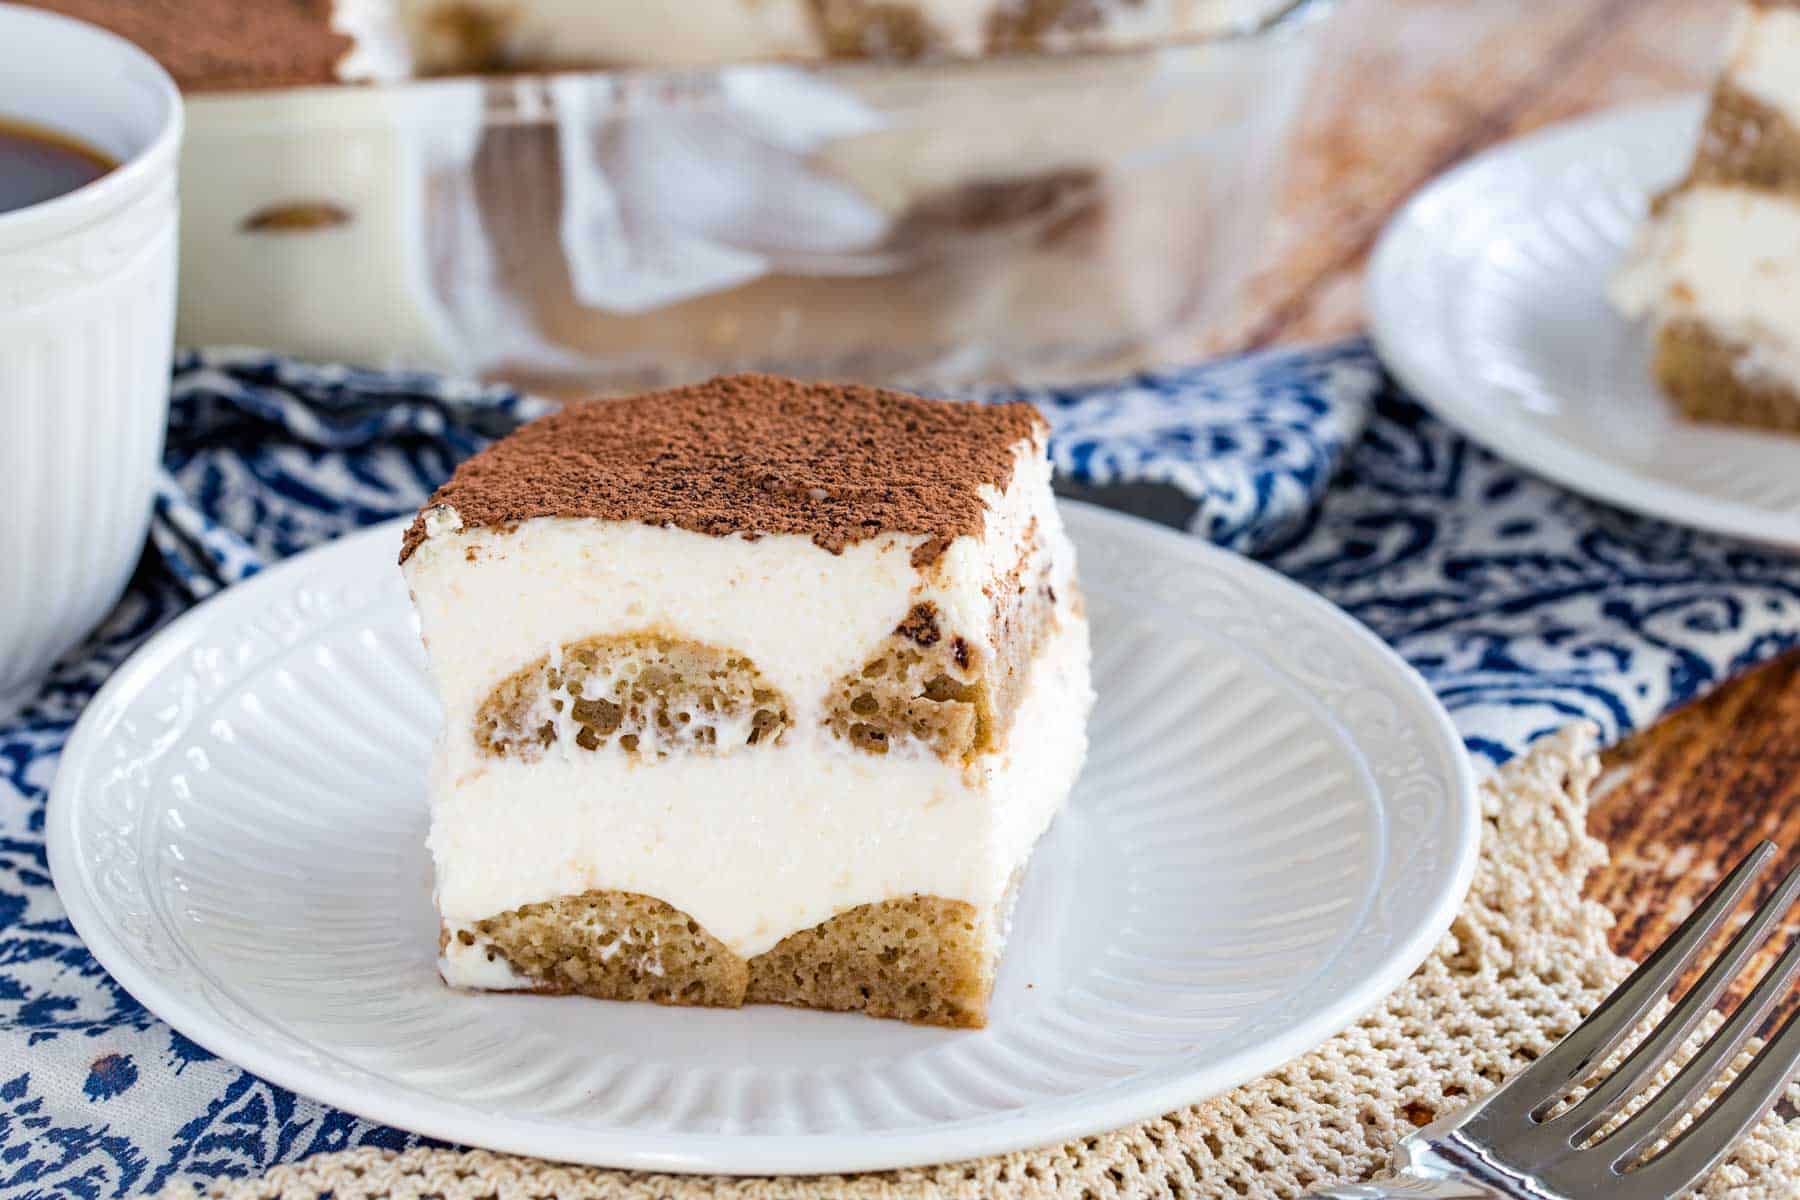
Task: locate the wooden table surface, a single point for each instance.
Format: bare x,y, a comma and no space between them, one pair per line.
1407,89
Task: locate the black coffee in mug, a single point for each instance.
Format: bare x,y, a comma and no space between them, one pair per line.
39,164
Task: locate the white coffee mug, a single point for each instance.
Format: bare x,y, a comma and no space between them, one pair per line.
87,305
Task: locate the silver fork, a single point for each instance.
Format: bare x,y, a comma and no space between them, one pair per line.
1512,1145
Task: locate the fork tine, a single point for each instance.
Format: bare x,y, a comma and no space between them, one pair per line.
1690,1083
1714,1133
1608,1096
1570,1061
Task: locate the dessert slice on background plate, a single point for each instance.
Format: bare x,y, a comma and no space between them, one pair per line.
1494,298
754,691
1717,267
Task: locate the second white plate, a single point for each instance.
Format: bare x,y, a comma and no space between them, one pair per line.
1276,824
1487,299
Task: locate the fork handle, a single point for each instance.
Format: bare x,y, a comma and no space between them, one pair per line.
1411,1187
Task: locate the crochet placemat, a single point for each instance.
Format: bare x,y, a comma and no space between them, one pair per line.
1526,958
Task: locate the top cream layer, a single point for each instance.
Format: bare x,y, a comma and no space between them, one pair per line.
493,601
1764,59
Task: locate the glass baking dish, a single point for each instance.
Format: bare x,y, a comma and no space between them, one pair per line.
1019,218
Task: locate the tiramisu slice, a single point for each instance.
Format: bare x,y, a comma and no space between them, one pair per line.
754,691
1718,267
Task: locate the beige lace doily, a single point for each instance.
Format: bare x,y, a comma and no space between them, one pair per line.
1524,961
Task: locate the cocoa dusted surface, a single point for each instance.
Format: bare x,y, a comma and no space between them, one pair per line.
751,454
223,45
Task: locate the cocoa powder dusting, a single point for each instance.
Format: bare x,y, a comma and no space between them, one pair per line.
753,455
223,45
921,625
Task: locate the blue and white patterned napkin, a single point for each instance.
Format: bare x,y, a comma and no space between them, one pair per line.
1524,607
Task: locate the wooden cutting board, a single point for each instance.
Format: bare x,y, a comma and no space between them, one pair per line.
1684,800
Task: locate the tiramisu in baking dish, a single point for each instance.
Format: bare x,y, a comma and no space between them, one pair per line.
635,193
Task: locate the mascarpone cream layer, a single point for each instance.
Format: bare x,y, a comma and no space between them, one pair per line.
760,844
491,602
1728,257
550,33
1764,59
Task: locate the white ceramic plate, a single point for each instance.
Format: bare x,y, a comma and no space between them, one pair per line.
1487,299
1276,824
